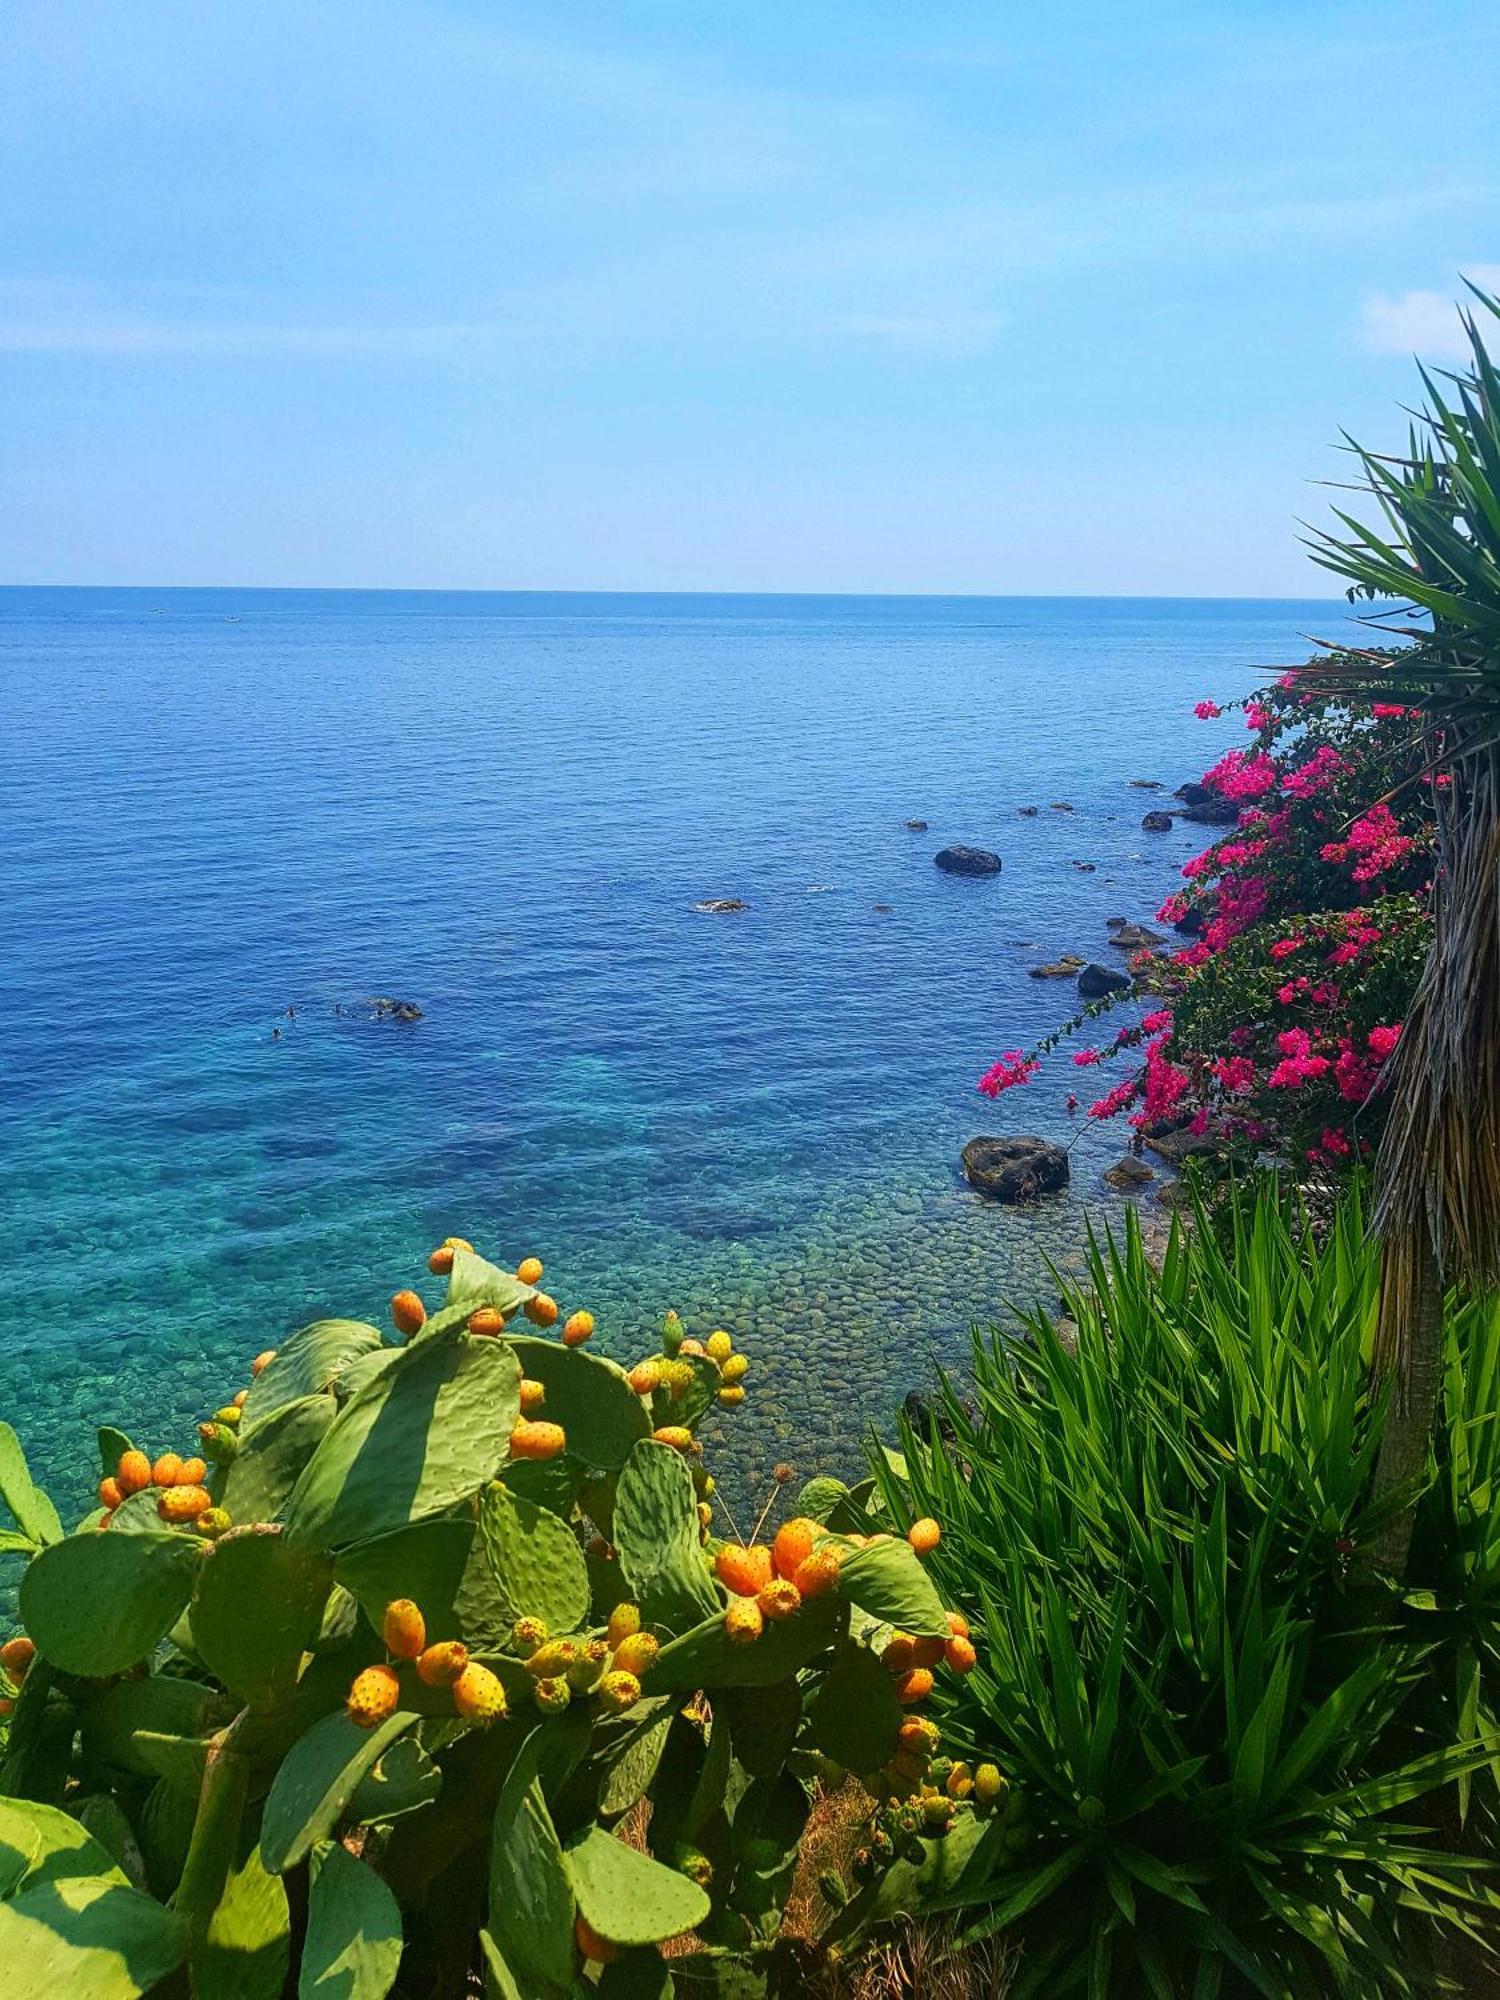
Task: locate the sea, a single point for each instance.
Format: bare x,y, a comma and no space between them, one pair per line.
232,819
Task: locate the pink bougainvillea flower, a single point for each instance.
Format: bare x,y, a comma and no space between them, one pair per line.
1012,1068
1381,1041
1207,711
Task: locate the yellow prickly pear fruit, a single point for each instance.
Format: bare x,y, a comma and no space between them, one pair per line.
408,1314
644,1377
552,1695
533,1395
166,1470
924,1535
404,1629
230,1414
590,1664
624,1620
918,1734
110,1495
532,1440
213,1522
458,1243
478,1696
736,1368
591,1945
691,1347
262,1362
541,1309
555,1657
743,1621
960,1782
937,1812
577,1329
677,1377
442,1663
636,1654
240,1398
676,1435
718,1346
989,1786
373,1696
529,1270
486,1322
731,1398
180,1504
618,1691
705,1520
527,1634
16,1656
780,1599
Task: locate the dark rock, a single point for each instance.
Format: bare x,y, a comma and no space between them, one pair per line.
1181,1143
1061,968
1134,937
1147,784
967,861
719,906
1085,867
1194,795
881,909
385,1009
916,826
1157,822
1129,1173
1096,980
1190,923
1016,1169
1061,806
1027,812
921,1411
1213,812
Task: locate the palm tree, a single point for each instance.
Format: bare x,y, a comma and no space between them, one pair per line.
1435,549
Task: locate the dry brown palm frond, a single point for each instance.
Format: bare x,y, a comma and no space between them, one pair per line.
924,1961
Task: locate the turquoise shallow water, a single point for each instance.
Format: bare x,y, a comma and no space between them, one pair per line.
224,803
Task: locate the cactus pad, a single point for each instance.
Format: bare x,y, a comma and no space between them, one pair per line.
535,1559
626,1896
656,1537
99,1603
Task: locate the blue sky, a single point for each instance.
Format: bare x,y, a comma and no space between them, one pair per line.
869,296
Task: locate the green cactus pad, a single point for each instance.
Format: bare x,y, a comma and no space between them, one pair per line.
645,1975
763,1723
266,1468
634,1765
689,1787
535,1560
855,1715
656,1540
475,1281
767,1832
98,1603
256,1609
887,1581
318,1777
113,1446
426,1433
112,1719
589,1396
34,1514
308,1363
626,1896
424,1560
706,1657
531,1894
353,1945
696,1400
402,1781
246,1949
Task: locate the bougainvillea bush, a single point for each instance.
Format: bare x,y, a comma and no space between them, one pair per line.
1303,928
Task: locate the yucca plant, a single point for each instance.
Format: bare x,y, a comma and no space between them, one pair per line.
1229,1781
1435,551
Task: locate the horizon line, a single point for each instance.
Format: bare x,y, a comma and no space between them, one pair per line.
635,590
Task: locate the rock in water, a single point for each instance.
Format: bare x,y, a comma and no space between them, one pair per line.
916,826
1017,1169
1128,1173
1147,784
967,861
1028,812
719,906
1096,980
1060,968
1213,812
385,1009
1157,822
1134,937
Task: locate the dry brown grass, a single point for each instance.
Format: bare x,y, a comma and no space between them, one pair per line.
923,1963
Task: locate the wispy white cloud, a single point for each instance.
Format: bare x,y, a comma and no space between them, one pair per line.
1424,323
954,334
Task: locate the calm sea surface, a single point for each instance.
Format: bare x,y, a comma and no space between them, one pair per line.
219,805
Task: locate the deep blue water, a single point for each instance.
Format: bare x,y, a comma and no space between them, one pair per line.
221,804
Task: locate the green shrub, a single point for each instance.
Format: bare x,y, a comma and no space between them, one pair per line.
1234,1760
359,1700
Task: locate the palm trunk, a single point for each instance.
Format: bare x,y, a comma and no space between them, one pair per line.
1407,1438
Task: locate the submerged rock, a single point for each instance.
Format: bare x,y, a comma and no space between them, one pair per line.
1128,1173
1015,1169
916,826
1085,867
1028,812
1061,806
1147,784
1060,968
967,861
719,906
384,1008
1096,980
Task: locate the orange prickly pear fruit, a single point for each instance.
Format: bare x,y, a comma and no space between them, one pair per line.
110,1495
624,1620
240,1398
529,1440
404,1629
914,1686
440,1263
193,1473
618,1690
529,1270
486,1321
408,1314
924,1535
591,1945
262,1362
959,1782
744,1571
743,1622
636,1654
677,1436
927,1652
918,1734
960,1655
793,1545
441,1665
533,1395
780,1599
958,1624
541,1309
818,1574
644,1377
167,1470
478,1695
899,1651
373,1696
104,1523
718,1347
179,1504
577,1329
691,1347
16,1656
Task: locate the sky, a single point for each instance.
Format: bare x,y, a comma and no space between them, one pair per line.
860,295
